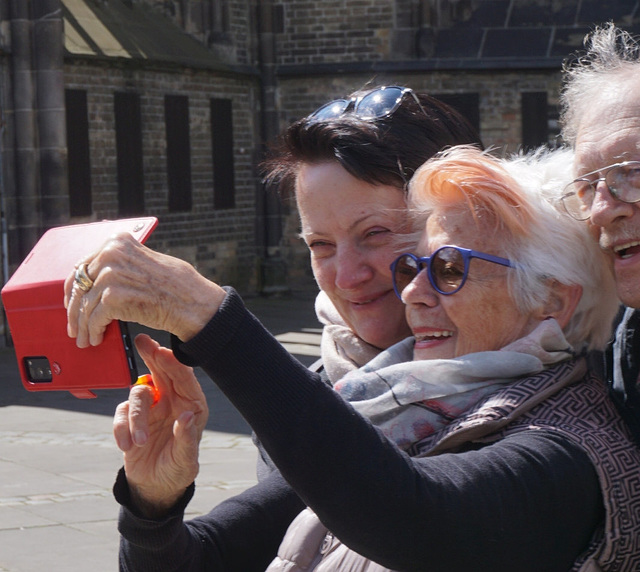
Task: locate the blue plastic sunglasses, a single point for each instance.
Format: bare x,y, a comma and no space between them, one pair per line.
447,268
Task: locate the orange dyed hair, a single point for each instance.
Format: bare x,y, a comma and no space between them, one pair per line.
466,175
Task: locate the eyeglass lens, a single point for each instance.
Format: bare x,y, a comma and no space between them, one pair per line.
332,109
446,270
623,182
379,103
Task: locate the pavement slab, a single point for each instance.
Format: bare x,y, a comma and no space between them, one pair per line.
58,459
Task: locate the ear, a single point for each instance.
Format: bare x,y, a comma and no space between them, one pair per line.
561,302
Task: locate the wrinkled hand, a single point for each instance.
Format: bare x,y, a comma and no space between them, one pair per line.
160,442
136,284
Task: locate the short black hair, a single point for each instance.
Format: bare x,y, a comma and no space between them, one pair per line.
383,151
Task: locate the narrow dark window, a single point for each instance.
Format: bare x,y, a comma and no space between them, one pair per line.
220,23
278,19
467,104
176,117
78,157
535,119
222,147
129,153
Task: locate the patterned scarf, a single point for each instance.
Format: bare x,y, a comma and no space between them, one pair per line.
409,400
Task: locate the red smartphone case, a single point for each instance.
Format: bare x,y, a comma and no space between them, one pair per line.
33,299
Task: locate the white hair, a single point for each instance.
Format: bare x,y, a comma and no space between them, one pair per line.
561,248
547,245
612,55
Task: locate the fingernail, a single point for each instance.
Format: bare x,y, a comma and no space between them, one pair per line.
140,437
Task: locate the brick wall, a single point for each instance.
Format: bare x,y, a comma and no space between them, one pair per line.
221,244
322,50
226,26
335,31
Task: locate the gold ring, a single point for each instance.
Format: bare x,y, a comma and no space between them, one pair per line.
82,278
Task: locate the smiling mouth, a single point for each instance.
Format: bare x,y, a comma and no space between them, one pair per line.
369,301
365,302
627,250
432,336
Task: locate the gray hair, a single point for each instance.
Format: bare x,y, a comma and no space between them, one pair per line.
547,245
611,55
562,249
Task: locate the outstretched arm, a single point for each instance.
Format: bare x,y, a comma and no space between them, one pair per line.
538,490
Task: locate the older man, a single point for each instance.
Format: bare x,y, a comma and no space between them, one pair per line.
601,120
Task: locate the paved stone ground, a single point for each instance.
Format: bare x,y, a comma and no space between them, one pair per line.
58,458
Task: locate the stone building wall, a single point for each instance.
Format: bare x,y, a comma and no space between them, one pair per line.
278,60
220,243
334,31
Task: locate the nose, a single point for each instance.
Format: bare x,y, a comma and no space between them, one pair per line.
352,269
420,291
605,208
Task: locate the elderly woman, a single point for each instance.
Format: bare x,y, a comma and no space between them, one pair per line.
497,450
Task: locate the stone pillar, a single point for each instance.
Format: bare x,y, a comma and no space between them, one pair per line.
27,203
269,208
48,36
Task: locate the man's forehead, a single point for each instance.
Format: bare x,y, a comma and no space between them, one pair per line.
609,132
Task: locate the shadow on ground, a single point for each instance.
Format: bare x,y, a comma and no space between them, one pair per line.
279,315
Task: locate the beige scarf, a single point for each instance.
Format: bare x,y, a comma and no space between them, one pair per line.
341,350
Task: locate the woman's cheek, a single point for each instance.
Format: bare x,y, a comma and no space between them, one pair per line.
322,273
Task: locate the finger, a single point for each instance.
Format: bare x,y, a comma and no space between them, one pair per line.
99,317
147,347
84,322
151,352
93,317
86,305
73,301
165,362
182,378
162,388
68,286
186,441
70,280
73,312
140,402
173,378
121,431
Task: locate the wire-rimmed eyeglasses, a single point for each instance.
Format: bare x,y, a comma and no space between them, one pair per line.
447,268
377,104
622,180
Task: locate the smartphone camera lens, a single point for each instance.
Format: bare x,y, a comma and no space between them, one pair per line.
38,369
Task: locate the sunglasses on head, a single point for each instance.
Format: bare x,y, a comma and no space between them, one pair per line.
377,104
447,268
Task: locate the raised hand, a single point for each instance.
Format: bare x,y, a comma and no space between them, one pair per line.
128,281
160,442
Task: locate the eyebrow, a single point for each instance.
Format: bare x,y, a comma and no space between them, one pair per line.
353,225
